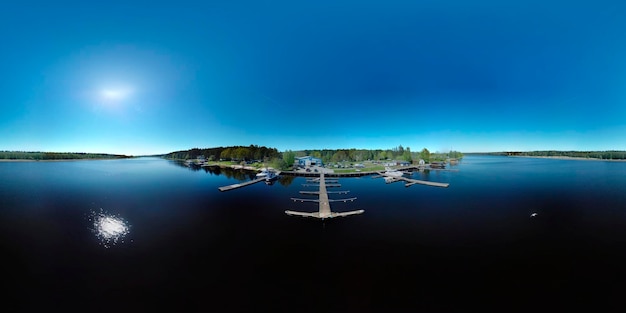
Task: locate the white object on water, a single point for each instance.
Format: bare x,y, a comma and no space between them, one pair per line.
533,215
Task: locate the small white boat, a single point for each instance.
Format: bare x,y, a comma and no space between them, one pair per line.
271,176
263,173
392,172
389,179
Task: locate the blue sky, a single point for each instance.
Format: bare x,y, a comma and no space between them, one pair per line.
153,77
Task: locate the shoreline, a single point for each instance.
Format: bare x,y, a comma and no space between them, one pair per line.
59,160
565,158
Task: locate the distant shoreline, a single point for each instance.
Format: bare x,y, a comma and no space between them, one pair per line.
565,158
59,160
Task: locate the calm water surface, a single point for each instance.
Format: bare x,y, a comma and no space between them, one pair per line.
188,247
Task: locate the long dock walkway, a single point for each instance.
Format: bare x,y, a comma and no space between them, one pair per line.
324,203
239,185
364,173
411,182
313,174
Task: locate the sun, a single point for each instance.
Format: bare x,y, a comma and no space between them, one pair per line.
113,97
112,94
115,94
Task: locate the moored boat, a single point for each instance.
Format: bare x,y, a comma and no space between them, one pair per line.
437,165
270,177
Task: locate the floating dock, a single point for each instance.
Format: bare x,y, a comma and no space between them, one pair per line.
325,184
309,174
327,180
363,173
239,185
324,204
317,192
410,182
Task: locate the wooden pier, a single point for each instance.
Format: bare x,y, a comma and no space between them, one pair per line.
345,192
323,203
313,174
364,173
239,185
317,180
326,185
410,182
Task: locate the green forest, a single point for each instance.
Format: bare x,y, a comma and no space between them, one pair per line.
602,155
399,153
42,156
234,153
254,153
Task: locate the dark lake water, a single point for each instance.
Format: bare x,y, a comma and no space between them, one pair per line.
187,247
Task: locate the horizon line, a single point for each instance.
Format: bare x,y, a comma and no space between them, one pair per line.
157,154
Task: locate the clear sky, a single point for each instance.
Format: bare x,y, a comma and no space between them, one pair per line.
152,77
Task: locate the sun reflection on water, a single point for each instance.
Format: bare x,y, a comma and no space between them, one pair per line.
108,228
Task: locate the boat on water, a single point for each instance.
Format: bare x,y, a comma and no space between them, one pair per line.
393,172
270,177
264,171
437,165
393,175
389,179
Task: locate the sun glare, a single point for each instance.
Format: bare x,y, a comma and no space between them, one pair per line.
115,94
109,229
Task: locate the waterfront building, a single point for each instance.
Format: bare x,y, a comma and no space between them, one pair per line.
397,163
307,161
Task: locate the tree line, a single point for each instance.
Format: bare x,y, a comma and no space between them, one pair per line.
399,153
286,159
41,156
602,155
232,153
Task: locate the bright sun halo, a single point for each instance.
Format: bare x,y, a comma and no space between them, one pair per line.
115,94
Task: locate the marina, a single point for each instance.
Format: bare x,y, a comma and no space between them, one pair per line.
310,174
408,169
316,178
324,204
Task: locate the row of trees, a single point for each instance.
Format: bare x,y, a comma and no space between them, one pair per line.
358,155
41,156
285,160
233,153
603,155
235,173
